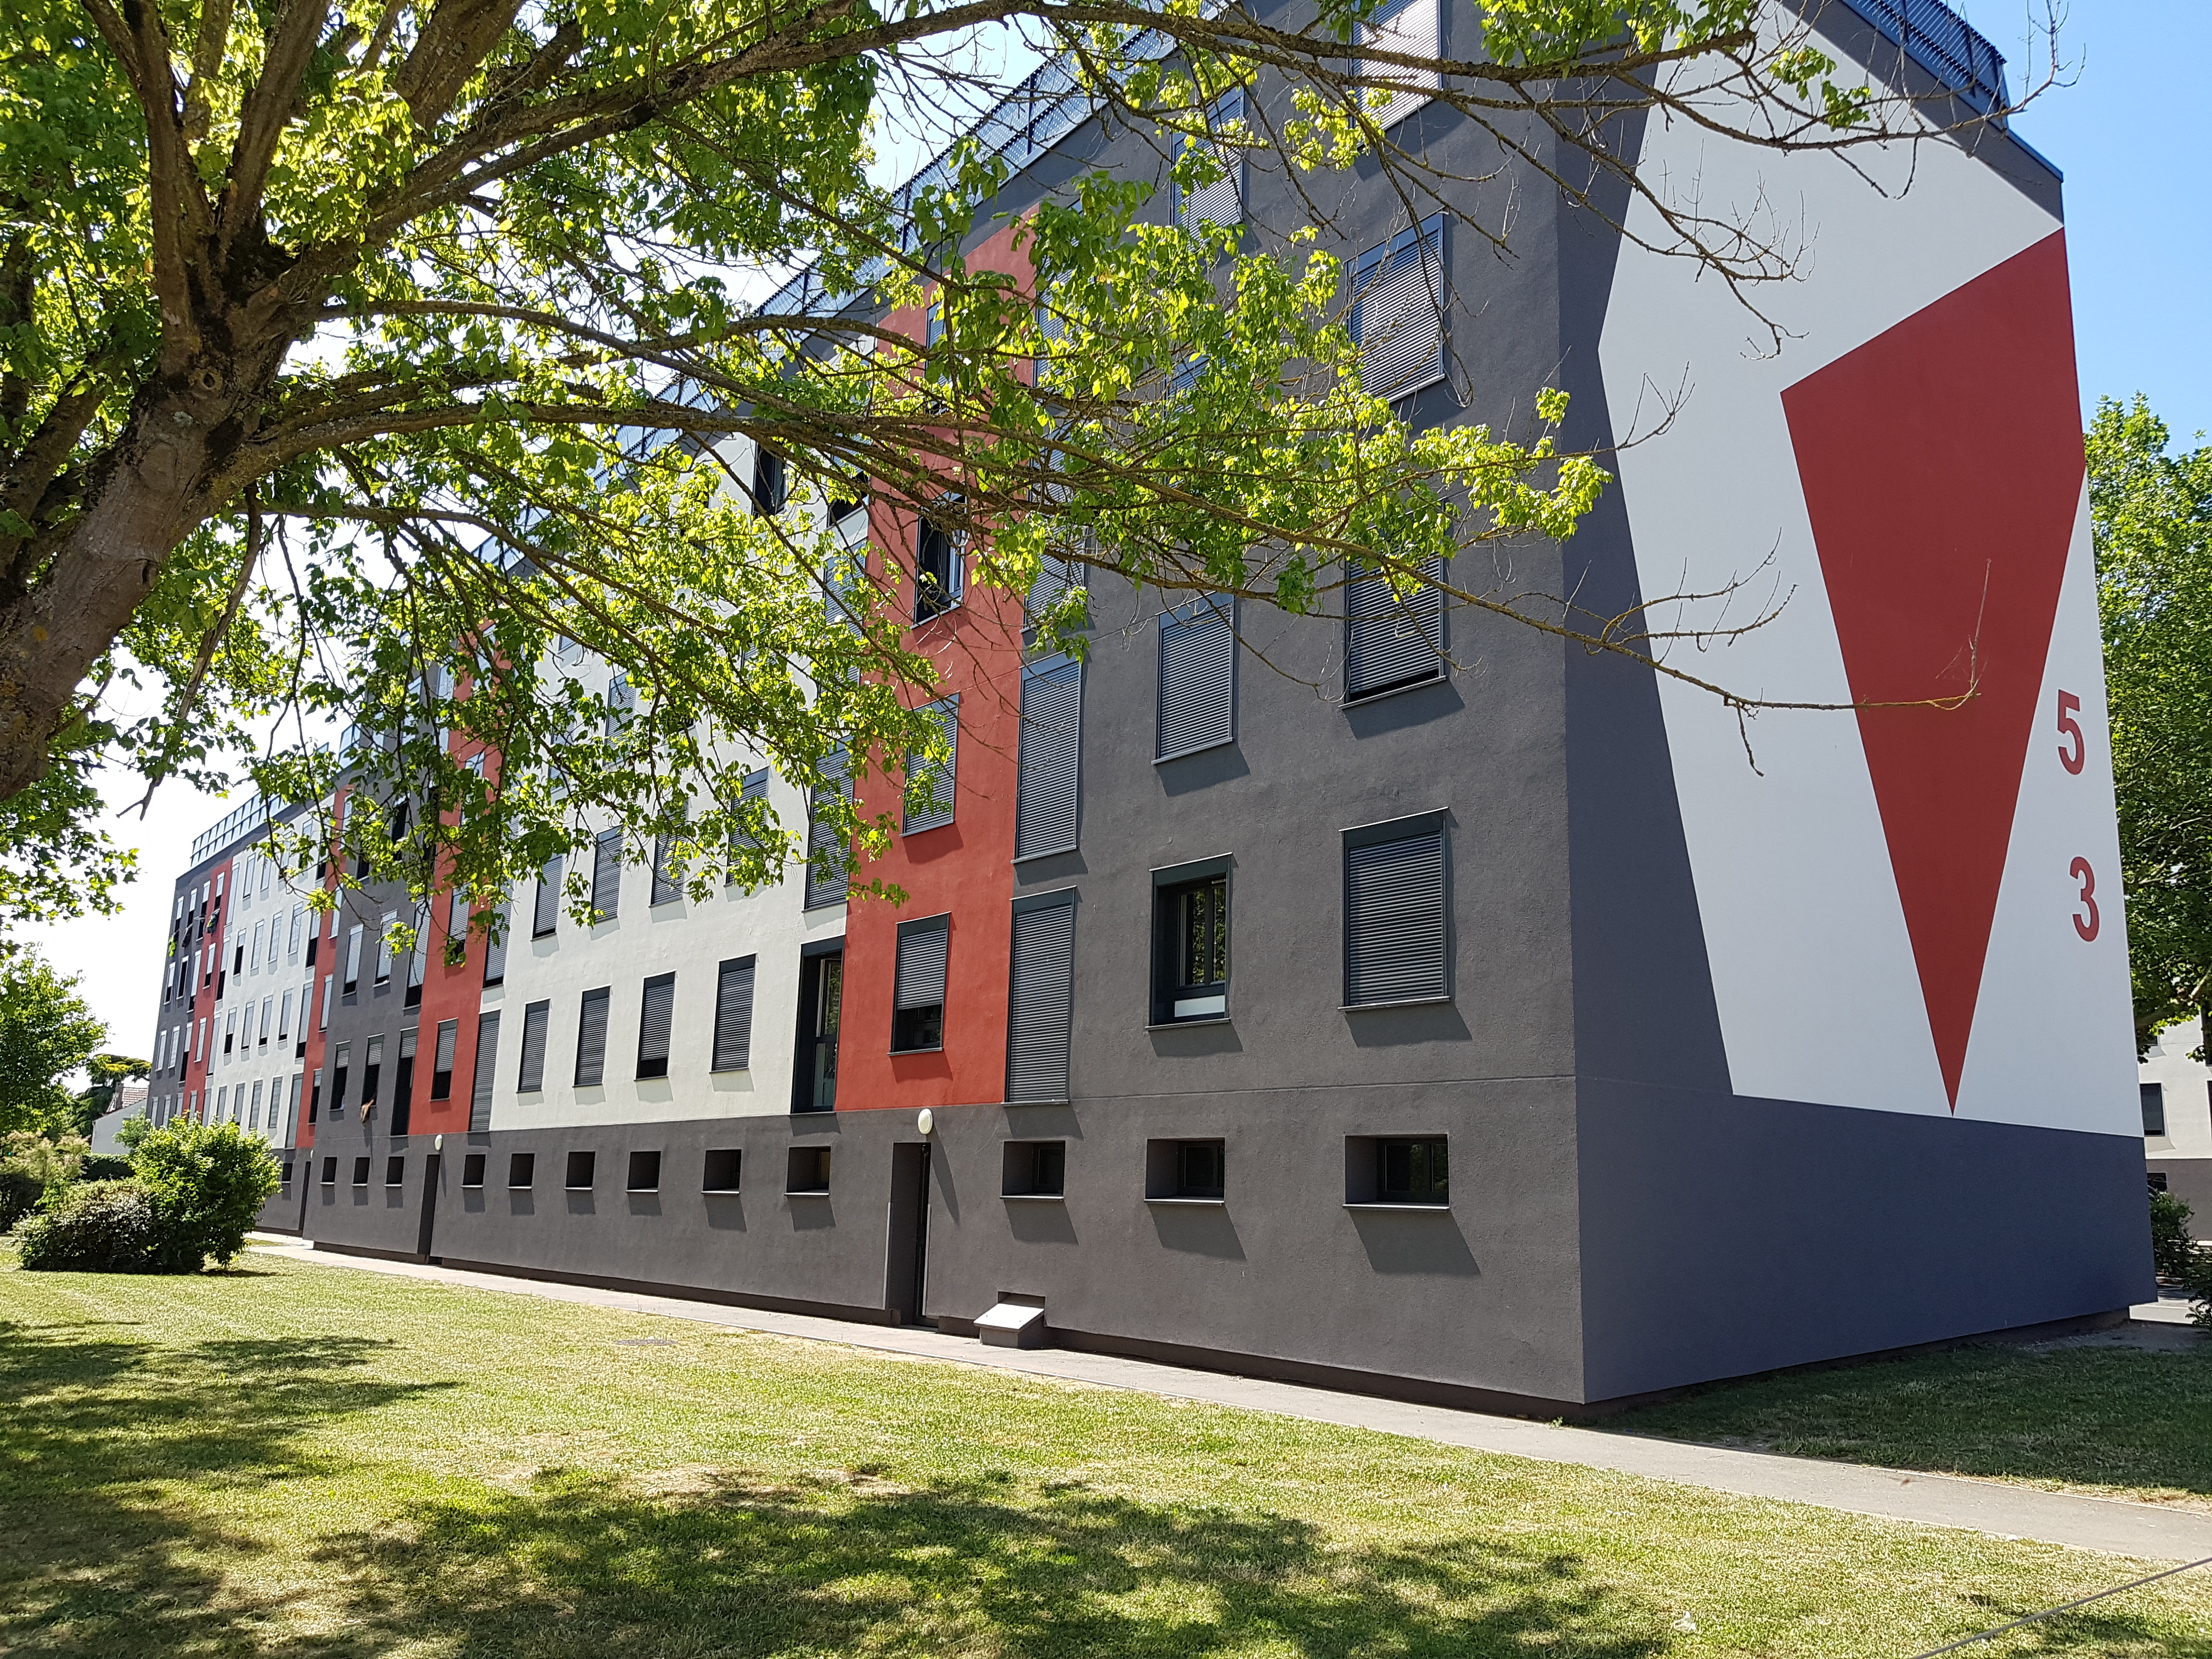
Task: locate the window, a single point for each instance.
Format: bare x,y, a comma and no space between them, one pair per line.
315,1096
403,1083
826,872
1056,578
622,698
494,947
724,1164
807,1171
341,1057
487,1056
1398,311
521,1169
441,1060
667,871
929,783
937,571
546,918
591,1038
384,927
1392,641
1034,1169
754,788
353,960
361,1171
2154,1108
418,955
472,1169
286,1176
771,482
1414,28
1047,761
733,1015
395,1172
644,1173
230,1031
1198,679
918,987
371,1072
582,1166
1397,921
606,875
1190,944
323,1020
329,1172
1186,1171
292,949
1040,999
534,1018
821,1003
656,1014
1219,201
1411,1171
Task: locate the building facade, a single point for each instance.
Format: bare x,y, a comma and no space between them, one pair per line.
1407,999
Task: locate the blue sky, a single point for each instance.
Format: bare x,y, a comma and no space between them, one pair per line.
2136,156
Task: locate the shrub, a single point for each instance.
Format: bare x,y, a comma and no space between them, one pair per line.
33,1166
102,1227
2171,1243
105,1166
208,1183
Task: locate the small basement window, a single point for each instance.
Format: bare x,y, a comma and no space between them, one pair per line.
287,1175
807,1174
1397,1171
329,1172
1035,1169
361,1172
521,1169
1186,1171
395,1171
644,1172
581,1168
472,1169
723,1166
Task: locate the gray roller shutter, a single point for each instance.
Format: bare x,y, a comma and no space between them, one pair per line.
1040,1002
755,788
1398,314
487,1060
1198,679
1046,768
1414,28
1222,202
1395,926
1390,641
733,1015
922,947
826,875
545,917
591,1038
496,947
536,1018
930,784
656,1017
1055,576
667,876
606,875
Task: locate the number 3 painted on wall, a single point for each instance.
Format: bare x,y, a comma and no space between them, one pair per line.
2068,706
2085,926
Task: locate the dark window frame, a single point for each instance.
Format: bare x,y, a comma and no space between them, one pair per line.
1391,832
1170,887
912,1031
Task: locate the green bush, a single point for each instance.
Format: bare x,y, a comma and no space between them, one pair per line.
99,1227
105,1166
2171,1245
208,1182
33,1166
20,1193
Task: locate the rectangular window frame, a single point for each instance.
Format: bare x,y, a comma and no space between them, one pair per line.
1048,761
1389,832
1183,619
1371,604
912,1031
1373,273
1040,1036
1170,883
656,1026
536,1033
943,778
735,984
594,1015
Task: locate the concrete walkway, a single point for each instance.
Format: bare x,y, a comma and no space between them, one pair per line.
2148,1531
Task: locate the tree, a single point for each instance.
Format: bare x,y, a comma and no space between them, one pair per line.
355,356
2151,515
208,1182
109,1072
46,1031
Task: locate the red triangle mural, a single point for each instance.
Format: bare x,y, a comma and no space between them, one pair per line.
1942,466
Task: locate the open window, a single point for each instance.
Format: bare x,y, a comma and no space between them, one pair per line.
1190,943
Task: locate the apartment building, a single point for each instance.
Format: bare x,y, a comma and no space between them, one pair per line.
1407,1001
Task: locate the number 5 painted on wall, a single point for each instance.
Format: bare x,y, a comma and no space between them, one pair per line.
2085,926
2068,706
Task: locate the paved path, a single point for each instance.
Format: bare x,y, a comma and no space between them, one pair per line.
2009,1511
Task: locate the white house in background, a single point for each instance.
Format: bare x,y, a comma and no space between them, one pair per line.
130,1101
2176,1106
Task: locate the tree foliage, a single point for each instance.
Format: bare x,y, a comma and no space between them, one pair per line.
46,1031
359,356
2152,514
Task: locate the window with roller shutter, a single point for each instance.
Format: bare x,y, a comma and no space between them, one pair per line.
1397,914
1056,578
592,1037
1221,201
930,784
667,873
1398,311
754,788
1047,764
494,969
1392,641
1414,28
441,1060
537,1020
1040,998
606,875
656,1017
545,916
1198,679
733,1015
826,874
918,985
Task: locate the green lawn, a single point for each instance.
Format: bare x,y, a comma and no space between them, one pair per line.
2117,1422
303,1459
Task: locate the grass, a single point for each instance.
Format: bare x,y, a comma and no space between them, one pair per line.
302,1458
2118,1422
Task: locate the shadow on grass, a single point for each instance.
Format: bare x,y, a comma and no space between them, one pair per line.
2123,1418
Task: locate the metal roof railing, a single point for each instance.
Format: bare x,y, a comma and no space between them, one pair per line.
1944,44
239,821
